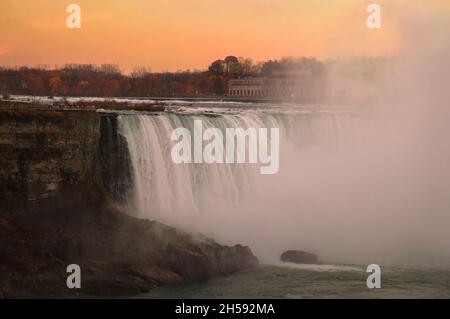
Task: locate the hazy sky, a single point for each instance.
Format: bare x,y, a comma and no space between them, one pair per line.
189,34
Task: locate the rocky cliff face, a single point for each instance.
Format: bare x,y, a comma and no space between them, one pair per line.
114,159
43,153
118,254
61,175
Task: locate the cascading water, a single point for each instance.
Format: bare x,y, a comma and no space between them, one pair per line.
178,193
342,180
164,188
195,196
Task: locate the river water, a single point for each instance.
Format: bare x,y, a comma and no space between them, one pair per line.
315,281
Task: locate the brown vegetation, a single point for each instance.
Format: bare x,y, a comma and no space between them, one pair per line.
108,81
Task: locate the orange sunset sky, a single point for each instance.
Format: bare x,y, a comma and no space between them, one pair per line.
169,35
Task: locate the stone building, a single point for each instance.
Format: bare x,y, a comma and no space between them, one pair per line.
275,87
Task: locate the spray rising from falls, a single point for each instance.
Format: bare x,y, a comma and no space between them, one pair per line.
341,191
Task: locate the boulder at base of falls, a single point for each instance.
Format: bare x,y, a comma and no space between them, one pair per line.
299,257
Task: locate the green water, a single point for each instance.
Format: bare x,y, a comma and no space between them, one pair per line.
322,281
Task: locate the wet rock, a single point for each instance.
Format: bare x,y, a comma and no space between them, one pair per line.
190,264
299,257
206,259
156,274
118,254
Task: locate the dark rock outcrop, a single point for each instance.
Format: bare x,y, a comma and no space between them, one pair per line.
118,254
114,159
299,257
43,153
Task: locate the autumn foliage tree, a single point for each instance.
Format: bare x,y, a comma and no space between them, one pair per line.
107,80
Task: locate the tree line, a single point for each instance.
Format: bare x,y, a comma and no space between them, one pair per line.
107,80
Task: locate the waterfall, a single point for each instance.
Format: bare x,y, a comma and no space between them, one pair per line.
205,197
170,192
343,190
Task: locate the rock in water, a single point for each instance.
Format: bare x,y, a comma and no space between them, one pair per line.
299,257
